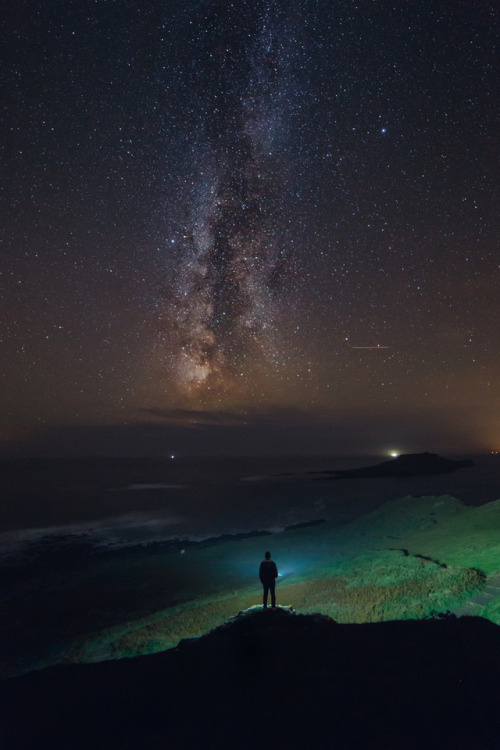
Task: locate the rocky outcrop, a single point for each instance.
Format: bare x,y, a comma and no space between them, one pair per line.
406,465
274,679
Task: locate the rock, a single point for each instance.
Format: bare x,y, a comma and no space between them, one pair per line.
274,679
406,465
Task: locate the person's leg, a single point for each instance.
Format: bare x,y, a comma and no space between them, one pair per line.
266,590
272,586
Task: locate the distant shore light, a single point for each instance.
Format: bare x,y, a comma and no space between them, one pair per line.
394,454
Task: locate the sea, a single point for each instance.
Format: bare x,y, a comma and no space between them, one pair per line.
68,526
129,502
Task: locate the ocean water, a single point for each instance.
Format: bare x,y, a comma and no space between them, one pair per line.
88,544
129,502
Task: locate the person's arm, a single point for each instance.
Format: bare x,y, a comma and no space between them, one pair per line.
275,571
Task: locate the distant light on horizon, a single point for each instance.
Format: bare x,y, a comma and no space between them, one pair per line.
394,454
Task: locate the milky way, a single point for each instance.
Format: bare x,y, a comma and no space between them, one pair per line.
235,255
272,210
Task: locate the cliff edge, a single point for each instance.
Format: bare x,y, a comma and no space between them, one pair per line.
274,679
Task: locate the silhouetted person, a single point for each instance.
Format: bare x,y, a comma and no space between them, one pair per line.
268,573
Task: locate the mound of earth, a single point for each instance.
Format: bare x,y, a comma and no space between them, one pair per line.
274,679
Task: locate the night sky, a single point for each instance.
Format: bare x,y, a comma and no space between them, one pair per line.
250,226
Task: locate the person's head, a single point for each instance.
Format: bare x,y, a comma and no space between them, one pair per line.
267,555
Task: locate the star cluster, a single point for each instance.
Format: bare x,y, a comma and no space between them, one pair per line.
248,206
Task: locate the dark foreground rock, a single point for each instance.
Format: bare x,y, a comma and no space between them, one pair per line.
407,465
272,679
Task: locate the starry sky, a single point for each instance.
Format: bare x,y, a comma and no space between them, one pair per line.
250,226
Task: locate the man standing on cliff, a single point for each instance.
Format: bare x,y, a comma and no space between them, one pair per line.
268,574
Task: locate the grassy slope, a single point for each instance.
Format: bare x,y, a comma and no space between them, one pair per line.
369,570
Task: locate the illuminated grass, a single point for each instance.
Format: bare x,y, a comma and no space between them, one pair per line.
386,587
412,558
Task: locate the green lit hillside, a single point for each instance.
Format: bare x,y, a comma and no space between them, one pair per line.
414,557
